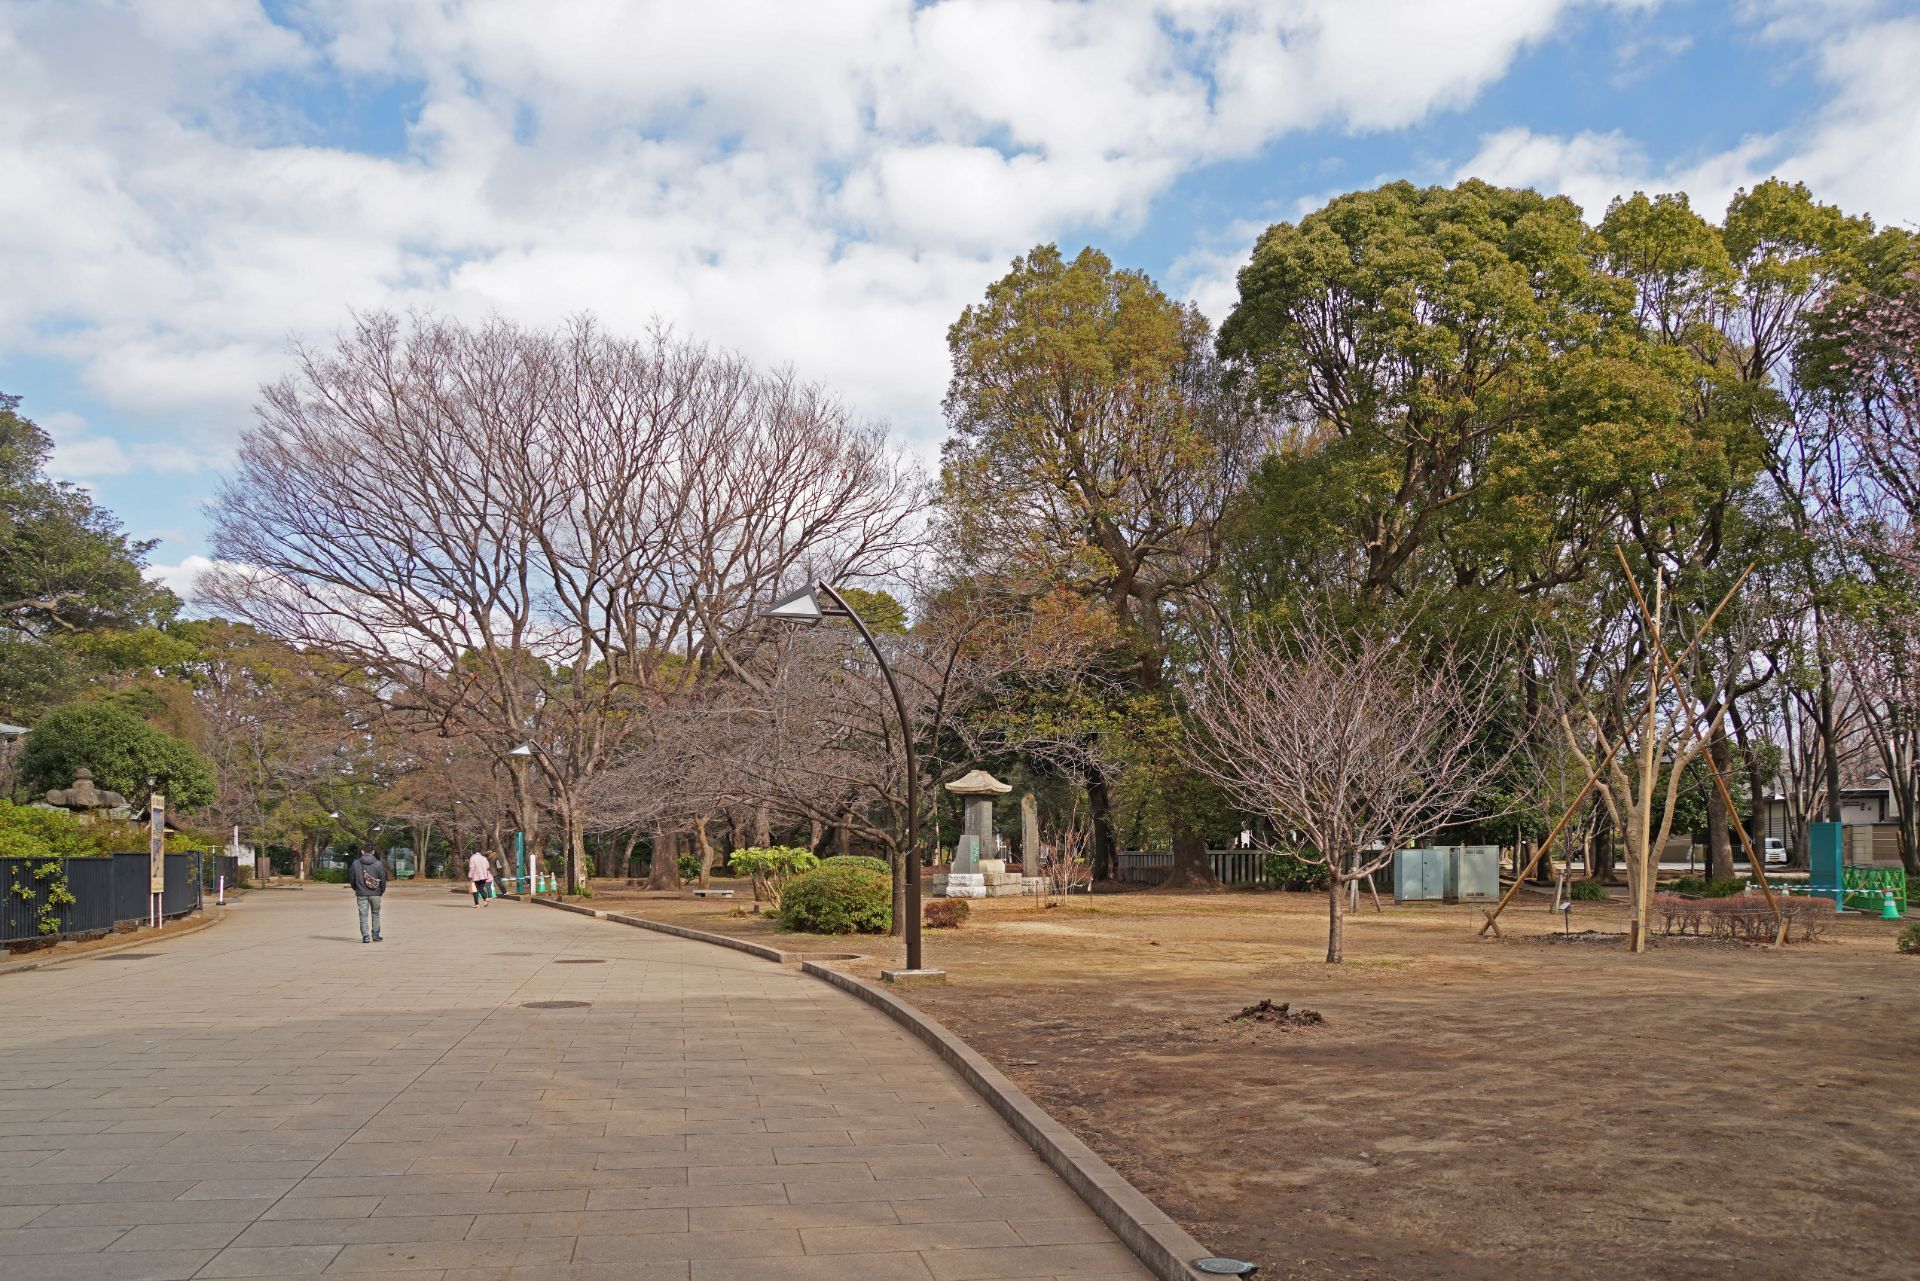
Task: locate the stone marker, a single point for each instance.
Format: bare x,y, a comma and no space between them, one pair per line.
1030,835
966,878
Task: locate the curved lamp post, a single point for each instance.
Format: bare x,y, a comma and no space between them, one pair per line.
805,606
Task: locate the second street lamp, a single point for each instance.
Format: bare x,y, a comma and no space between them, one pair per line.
805,606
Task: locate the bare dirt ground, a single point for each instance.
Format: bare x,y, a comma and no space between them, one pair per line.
1469,1109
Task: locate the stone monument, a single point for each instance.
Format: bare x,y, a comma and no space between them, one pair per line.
975,873
86,801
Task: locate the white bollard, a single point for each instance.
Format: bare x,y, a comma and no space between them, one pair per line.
222,901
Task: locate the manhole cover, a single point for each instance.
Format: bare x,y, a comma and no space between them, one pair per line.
589,960
555,1005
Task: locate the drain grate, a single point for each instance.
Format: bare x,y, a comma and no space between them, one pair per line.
588,960
555,1005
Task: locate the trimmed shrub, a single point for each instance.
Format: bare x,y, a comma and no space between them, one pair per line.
1812,916
837,899
1587,892
689,867
867,861
1909,940
329,875
1678,914
946,913
1701,887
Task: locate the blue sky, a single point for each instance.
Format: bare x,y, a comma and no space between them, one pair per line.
195,184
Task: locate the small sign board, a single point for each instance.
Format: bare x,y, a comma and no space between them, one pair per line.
157,845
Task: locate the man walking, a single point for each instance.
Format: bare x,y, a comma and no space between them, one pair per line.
480,872
368,876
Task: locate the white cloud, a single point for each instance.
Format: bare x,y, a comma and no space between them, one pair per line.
824,184
180,577
1861,151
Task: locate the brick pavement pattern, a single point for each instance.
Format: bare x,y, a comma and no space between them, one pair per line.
272,1098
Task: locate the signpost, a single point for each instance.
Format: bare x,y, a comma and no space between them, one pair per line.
157,851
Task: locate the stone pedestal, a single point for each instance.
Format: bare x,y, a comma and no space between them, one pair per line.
965,885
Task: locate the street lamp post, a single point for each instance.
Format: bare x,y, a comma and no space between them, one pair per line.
523,753
804,607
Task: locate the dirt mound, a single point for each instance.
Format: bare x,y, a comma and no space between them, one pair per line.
1280,1015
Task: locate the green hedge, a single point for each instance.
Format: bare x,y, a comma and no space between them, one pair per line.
1701,887
838,897
867,861
1587,892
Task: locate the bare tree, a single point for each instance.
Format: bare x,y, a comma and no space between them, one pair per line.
530,536
1351,741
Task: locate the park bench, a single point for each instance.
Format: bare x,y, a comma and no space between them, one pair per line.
713,893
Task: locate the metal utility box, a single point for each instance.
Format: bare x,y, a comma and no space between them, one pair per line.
1419,875
1826,855
1473,874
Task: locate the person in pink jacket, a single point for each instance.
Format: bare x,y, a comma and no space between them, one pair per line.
480,872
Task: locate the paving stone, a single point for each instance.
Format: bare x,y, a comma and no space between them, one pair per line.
709,1116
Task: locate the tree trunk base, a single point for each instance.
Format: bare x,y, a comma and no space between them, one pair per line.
1192,870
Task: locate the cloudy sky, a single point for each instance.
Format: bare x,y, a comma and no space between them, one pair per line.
188,185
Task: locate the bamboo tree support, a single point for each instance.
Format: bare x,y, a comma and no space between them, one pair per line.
1600,768
1754,860
1520,877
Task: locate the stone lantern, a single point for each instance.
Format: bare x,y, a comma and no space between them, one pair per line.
975,872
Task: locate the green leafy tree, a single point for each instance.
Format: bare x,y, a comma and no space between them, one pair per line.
68,576
883,614
122,750
1094,447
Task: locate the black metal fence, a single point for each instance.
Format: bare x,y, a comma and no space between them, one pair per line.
108,892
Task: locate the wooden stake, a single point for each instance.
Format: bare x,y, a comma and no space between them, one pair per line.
1754,860
1605,760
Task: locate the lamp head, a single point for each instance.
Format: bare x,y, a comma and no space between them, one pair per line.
804,606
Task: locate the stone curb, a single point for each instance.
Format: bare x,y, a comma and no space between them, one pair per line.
1156,1240
211,914
1166,1248
760,950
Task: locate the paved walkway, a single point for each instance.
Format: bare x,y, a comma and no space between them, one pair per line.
271,1098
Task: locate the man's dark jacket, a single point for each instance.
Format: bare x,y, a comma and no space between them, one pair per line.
368,876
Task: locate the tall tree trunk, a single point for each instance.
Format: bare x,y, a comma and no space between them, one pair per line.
706,851
814,832
1192,867
626,855
1336,916
1829,733
843,834
665,874
1100,810
1719,821
762,827
421,855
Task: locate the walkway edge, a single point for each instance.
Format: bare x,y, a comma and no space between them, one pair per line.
760,950
213,916
1166,1248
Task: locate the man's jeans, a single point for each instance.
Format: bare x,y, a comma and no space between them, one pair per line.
369,904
